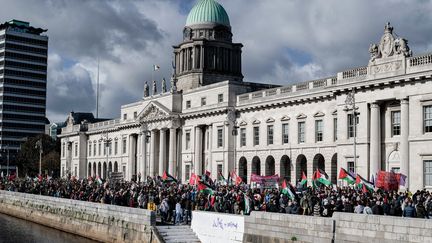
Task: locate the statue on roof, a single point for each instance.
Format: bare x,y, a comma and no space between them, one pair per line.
173,84
402,47
146,90
373,50
164,88
154,90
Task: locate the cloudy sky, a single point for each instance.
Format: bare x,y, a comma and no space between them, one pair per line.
285,41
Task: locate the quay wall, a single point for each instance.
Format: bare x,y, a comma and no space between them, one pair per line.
342,227
100,222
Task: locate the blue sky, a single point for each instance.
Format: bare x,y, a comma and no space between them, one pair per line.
285,41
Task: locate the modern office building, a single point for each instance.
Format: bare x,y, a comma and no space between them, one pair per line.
364,119
23,82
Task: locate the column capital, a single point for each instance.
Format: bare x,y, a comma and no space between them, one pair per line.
374,105
404,101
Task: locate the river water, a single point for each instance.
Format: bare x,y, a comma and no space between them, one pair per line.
14,230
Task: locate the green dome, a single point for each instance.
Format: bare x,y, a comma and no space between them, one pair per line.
207,11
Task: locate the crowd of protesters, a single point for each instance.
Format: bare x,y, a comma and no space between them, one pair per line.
175,201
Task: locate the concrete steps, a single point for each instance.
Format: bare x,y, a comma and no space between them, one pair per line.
177,234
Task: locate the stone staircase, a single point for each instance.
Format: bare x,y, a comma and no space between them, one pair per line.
177,234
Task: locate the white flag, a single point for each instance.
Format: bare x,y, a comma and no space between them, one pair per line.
156,67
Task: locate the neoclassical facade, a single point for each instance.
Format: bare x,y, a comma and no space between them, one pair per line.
376,117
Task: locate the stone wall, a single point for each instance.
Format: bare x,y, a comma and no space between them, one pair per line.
383,229
276,227
106,223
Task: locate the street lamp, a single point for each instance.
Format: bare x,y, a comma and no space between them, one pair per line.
107,141
39,146
7,159
350,104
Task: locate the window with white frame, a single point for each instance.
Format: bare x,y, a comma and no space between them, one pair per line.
187,172
427,118
63,150
124,145
395,123
335,129
89,153
427,165
135,114
319,130
188,104
242,137
94,148
99,148
187,138
270,134
351,167
115,147
203,101
76,149
220,137
256,136
301,132
220,98
285,133
351,127
125,116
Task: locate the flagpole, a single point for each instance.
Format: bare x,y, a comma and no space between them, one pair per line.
97,91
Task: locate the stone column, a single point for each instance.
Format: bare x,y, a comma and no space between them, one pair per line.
172,152
404,145
162,151
210,148
143,156
198,151
152,161
132,152
375,140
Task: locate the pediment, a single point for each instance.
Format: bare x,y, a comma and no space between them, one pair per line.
285,118
319,114
154,110
256,122
301,116
270,120
243,123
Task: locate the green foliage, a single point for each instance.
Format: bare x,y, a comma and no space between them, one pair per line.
293,238
28,157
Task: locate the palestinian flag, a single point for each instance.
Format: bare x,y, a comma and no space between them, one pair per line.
288,190
98,180
365,185
303,179
322,177
204,188
166,177
237,179
193,179
346,176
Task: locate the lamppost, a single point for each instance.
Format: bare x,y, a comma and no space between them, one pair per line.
350,104
232,117
107,141
39,146
7,159
147,134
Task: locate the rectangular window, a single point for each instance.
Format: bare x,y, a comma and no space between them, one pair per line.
301,132
203,101
395,123
319,131
115,147
187,172
105,145
76,149
188,104
94,149
63,150
285,133
256,136
124,145
75,171
219,169
334,129
135,115
220,137
187,138
269,134
242,137
427,118
427,172
124,116
351,167
220,98
109,148
351,127
89,153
